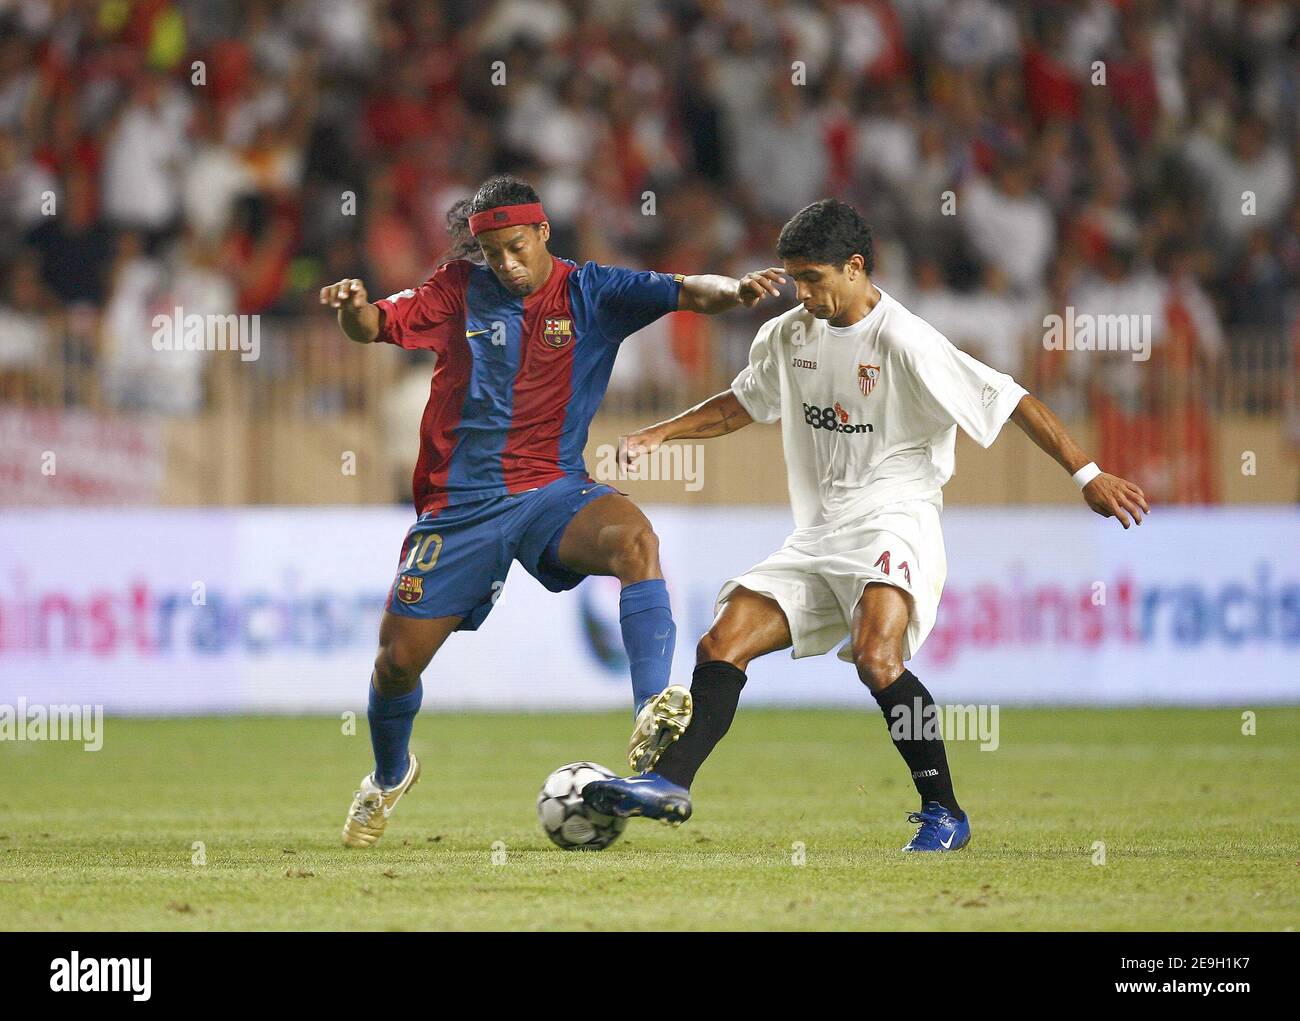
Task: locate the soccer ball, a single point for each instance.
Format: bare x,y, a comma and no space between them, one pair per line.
567,821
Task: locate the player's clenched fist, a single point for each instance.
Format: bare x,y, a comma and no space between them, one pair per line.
351,292
358,319
633,446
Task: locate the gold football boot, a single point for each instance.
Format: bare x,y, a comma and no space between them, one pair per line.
662,721
372,805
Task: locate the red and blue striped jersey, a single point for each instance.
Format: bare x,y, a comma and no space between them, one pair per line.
517,379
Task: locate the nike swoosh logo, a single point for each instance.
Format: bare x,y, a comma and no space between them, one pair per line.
474,333
642,780
947,844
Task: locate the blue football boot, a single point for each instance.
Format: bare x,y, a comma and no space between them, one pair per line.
649,795
939,829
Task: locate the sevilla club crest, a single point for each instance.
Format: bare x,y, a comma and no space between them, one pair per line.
557,332
868,377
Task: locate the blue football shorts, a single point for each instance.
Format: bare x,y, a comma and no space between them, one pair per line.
454,561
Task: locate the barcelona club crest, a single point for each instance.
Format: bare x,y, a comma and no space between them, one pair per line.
410,588
557,332
868,377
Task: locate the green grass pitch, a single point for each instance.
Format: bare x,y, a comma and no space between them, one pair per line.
1201,827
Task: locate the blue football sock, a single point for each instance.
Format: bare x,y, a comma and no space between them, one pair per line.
649,635
391,720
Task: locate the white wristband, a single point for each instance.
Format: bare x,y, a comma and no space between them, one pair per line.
1086,474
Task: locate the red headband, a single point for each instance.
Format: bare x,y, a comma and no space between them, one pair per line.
506,216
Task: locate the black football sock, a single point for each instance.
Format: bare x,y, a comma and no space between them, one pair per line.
925,756
715,690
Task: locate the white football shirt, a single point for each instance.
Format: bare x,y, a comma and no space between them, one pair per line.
869,412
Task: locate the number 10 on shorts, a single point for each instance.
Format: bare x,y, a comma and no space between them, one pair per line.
424,554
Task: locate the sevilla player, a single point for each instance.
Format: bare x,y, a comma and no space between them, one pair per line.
870,398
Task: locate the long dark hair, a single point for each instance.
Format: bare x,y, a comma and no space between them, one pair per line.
502,190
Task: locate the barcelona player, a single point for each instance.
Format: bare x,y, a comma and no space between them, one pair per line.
525,342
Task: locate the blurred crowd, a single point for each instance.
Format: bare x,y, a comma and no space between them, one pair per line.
1014,158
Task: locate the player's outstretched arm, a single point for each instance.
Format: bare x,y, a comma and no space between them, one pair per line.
1109,495
358,318
710,294
719,415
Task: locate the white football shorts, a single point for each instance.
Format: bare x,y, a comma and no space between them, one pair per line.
818,576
